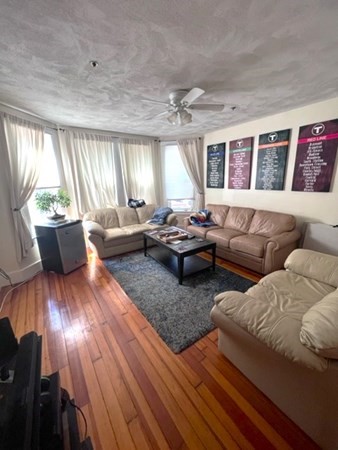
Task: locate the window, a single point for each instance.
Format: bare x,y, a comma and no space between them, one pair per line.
49,178
178,189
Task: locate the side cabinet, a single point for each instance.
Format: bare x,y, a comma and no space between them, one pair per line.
62,246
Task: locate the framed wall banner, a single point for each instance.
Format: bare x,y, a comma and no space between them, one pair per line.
271,162
315,158
240,157
215,166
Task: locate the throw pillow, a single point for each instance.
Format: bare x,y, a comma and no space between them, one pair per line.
160,215
201,218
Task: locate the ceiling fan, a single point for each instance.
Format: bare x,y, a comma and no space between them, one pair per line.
180,102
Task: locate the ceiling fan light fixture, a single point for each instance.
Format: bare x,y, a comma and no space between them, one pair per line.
184,117
172,118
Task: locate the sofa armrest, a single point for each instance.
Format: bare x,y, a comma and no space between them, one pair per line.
235,296
94,228
186,222
284,239
277,249
171,219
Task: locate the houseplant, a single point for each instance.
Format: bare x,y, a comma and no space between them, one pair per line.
48,201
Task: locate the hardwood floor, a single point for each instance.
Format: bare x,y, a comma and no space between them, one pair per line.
134,392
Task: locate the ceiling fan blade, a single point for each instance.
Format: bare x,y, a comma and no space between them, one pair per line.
192,95
164,113
207,107
154,101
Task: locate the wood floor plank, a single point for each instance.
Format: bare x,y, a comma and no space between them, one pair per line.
190,435
104,427
119,385
233,410
251,412
192,394
180,390
139,435
134,392
151,416
117,421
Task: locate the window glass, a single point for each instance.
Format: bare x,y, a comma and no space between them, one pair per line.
49,176
178,189
49,179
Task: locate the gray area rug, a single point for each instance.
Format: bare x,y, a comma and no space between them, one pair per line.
179,313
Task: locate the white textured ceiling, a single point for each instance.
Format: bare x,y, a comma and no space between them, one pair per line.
263,56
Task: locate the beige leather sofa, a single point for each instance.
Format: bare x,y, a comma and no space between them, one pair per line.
112,231
283,335
257,239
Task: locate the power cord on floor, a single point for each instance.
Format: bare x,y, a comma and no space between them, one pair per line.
65,398
83,416
7,277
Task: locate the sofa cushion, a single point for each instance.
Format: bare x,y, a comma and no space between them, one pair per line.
114,233
239,218
267,223
145,213
319,331
106,217
127,216
290,292
137,228
274,327
249,243
218,213
311,264
130,230
201,231
222,236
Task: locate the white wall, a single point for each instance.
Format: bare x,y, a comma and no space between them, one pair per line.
306,206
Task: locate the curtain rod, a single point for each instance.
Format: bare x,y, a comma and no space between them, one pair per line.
25,115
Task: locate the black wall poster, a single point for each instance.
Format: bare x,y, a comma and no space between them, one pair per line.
315,158
215,166
271,162
240,155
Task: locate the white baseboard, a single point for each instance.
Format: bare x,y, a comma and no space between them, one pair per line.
25,274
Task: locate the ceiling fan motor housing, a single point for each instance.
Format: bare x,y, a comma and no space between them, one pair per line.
175,97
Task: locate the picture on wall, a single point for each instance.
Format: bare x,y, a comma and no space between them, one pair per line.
271,161
215,165
315,158
240,157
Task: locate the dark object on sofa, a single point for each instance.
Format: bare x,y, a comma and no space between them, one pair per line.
201,218
160,215
133,203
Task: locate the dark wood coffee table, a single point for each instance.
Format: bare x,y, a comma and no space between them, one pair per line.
181,259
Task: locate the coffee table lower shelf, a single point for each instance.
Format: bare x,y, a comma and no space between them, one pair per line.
192,264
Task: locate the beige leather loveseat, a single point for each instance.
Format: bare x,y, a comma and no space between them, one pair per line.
257,239
112,231
283,335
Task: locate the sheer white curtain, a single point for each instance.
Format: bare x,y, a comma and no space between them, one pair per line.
22,144
191,151
89,163
141,169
